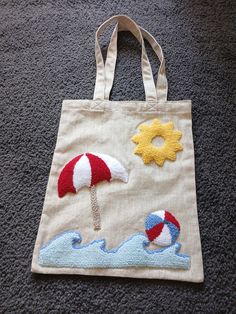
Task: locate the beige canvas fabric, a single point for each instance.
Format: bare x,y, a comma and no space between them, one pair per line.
103,126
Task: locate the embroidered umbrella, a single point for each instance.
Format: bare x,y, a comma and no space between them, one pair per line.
88,169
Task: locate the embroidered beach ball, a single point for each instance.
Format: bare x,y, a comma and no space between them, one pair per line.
162,228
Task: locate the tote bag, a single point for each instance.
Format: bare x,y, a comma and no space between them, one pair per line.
121,196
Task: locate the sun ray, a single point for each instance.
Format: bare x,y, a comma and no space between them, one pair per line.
136,138
159,160
169,126
147,158
143,127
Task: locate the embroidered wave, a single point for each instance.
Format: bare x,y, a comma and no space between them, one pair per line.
65,250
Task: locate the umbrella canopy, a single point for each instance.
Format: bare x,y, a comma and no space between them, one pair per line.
87,170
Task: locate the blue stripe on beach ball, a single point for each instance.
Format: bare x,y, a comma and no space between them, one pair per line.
151,221
174,231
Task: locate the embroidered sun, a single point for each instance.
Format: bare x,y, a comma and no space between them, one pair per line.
148,151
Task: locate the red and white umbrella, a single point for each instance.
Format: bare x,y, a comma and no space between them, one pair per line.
88,169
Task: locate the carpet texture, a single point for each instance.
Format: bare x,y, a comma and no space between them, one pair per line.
47,55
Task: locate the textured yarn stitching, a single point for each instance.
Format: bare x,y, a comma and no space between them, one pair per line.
95,209
150,152
162,230
65,251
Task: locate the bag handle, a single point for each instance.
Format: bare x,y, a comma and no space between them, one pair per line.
110,64
148,81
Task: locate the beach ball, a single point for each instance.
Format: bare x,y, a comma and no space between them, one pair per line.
162,228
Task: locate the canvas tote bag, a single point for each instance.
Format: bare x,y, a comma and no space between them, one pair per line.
121,196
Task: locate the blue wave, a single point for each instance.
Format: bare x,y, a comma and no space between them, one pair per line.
65,250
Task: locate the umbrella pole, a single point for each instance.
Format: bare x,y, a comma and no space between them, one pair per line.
95,208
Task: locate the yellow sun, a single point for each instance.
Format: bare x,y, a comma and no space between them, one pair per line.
148,151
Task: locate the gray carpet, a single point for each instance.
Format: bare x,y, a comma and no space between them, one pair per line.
47,55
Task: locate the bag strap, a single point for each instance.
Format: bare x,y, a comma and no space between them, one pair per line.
126,23
110,64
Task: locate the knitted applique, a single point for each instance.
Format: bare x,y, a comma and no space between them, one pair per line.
65,250
150,152
162,228
88,169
